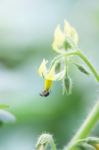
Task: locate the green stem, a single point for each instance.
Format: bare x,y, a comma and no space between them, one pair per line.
57,58
91,67
87,126
94,115
84,58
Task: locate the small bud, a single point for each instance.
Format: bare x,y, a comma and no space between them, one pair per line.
82,69
85,146
43,142
92,140
67,85
90,143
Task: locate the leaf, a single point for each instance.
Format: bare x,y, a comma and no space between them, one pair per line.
2,106
82,69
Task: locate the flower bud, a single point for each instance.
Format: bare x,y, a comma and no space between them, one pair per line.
90,143
43,142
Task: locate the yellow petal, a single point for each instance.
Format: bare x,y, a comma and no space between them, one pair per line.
51,74
42,69
48,84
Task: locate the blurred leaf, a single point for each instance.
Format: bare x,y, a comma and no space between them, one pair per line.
6,116
2,106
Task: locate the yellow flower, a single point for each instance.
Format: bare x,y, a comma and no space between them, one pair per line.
64,39
42,68
49,75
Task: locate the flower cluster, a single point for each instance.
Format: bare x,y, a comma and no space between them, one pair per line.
66,39
66,45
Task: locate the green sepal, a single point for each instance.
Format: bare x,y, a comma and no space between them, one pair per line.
92,140
58,67
85,146
82,69
67,85
67,45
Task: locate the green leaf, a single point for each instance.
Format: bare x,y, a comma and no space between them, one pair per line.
82,69
2,106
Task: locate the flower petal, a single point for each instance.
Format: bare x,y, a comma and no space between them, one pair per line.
71,32
74,36
42,69
58,39
51,74
67,28
60,75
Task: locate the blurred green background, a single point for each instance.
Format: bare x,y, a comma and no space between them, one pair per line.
26,35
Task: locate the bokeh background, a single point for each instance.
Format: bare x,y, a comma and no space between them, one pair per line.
26,35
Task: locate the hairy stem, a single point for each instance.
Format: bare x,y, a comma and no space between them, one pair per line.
93,117
87,126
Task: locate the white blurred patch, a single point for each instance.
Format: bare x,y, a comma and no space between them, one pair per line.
6,116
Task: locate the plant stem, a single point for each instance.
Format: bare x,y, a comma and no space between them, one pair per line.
94,115
87,126
91,67
85,59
